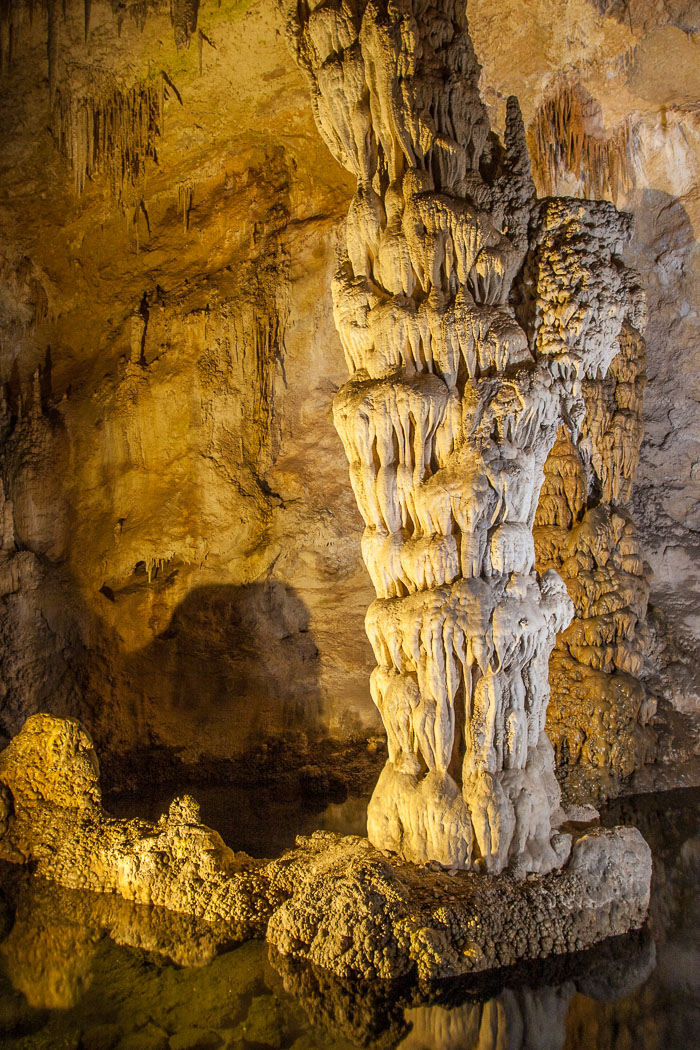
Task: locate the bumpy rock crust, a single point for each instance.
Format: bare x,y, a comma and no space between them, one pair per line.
336,902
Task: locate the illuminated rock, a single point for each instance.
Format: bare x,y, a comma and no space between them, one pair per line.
460,383
335,902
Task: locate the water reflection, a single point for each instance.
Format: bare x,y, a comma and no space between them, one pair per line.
263,822
84,971
524,1008
523,1020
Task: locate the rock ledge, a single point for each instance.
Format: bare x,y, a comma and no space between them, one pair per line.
334,901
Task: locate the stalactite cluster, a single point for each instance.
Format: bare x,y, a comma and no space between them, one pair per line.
98,124
564,144
14,13
452,408
105,128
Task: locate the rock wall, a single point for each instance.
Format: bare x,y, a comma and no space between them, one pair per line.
181,567
179,544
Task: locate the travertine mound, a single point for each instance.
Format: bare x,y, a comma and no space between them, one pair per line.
337,902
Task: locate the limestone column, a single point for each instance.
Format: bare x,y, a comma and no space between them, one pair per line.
452,407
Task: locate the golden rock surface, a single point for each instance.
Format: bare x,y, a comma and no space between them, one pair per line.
334,901
180,561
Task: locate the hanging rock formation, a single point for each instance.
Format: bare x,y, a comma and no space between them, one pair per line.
452,408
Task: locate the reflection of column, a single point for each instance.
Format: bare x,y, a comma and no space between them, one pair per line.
382,1013
447,421
517,1019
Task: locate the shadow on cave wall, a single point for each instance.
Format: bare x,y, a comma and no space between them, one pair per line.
234,675
234,678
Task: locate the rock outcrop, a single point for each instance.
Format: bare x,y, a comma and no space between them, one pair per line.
336,902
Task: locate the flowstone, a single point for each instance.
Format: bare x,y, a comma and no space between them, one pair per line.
336,902
470,315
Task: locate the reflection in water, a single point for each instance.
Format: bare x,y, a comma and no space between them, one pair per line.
85,971
524,1008
525,1019
262,822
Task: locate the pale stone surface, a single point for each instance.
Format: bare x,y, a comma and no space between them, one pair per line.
460,379
335,902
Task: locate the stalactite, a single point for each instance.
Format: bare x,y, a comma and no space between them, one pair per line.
52,47
448,418
8,30
107,129
563,144
183,15
30,294
183,18
185,198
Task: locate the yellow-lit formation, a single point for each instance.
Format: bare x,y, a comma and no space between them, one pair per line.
461,379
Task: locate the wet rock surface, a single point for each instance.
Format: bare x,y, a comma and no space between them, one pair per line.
334,901
80,969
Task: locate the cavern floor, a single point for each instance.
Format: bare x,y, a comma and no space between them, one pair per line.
66,982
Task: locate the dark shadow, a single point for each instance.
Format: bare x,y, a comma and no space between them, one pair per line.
233,680
246,651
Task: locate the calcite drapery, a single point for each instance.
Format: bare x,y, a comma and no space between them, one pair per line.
453,405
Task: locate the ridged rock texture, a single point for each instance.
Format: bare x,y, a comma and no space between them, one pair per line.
459,384
180,562
584,530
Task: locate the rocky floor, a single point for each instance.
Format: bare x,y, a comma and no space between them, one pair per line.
84,971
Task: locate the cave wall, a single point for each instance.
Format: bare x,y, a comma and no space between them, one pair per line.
181,550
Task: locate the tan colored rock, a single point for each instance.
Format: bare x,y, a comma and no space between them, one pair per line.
336,902
240,216
451,410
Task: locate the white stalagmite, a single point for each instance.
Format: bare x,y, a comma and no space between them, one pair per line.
453,405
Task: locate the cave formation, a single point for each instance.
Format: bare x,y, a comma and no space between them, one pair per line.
449,417
188,277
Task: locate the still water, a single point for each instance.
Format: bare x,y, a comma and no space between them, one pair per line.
82,971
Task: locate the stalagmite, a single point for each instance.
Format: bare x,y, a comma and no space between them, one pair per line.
584,531
454,403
